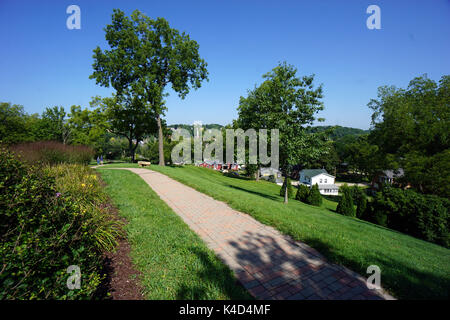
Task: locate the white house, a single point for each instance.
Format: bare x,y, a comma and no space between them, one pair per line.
320,177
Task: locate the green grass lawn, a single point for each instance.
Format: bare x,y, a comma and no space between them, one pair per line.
173,260
410,268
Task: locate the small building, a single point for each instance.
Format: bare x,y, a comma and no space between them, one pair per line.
387,177
322,178
268,173
218,165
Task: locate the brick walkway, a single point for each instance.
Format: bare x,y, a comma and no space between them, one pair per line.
270,265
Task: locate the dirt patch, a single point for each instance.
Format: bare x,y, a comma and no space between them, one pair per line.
122,279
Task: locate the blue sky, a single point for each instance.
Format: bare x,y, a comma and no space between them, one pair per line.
43,64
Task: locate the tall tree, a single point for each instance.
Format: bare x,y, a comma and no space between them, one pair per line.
13,123
54,124
87,127
146,55
128,117
412,128
288,103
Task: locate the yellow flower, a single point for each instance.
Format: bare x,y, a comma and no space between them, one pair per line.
83,185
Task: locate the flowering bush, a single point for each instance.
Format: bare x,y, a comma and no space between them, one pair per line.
51,218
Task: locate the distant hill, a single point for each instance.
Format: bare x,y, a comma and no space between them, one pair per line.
337,132
190,127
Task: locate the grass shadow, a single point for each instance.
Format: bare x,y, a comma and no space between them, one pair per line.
260,194
215,274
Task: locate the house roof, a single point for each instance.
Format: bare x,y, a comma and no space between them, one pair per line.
393,173
315,172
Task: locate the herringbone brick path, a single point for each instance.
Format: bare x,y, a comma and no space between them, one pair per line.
269,264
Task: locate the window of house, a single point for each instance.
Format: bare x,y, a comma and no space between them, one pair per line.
325,181
320,180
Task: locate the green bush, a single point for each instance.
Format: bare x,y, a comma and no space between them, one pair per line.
314,197
345,205
356,193
361,206
302,193
251,170
290,189
422,216
51,218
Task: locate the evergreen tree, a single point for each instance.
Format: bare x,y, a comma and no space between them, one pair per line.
290,190
345,205
361,206
302,193
314,197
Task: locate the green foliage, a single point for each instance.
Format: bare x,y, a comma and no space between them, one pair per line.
363,156
345,205
128,117
290,189
411,130
151,153
359,199
52,125
314,197
422,216
361,206
251,170
302,193
13,123
337,132
88,127
51,218
145,56
51,152
288,103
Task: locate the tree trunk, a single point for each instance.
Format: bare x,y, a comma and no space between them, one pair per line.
286,190
130,147
160,141
257,174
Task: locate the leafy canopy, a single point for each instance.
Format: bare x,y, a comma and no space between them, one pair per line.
289,103
145,56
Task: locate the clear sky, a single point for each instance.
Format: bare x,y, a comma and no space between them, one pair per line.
43,64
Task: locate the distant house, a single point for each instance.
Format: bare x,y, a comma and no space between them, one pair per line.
266,173
322,178
218,165
387,177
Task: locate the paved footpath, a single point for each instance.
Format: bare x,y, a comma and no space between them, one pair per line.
269,264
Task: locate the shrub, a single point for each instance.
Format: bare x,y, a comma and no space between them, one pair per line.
345,205
314,197
251,170
356,193
422,216
302,193
51,218
52,152
361,206
290,189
